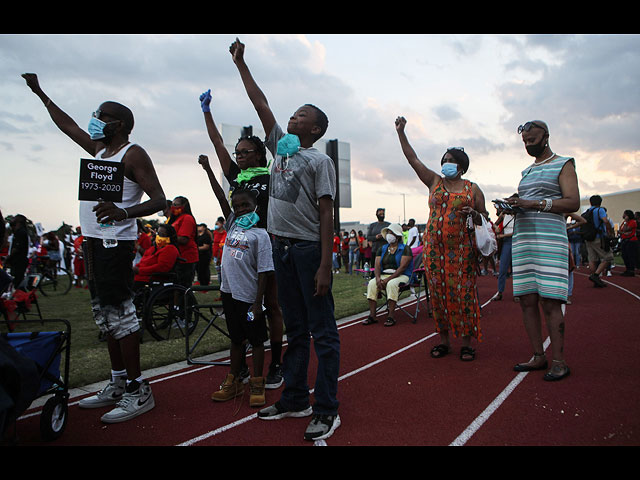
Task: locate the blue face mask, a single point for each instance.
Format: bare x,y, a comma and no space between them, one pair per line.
450,170
247,220
288,145
96,128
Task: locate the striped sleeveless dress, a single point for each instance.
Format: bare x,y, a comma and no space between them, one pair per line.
540,256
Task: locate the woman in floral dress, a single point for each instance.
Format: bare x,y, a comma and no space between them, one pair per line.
450,257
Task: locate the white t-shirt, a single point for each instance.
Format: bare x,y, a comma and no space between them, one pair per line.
413,233
507,222
246,253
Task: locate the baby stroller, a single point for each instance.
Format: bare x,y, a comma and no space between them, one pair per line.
30,369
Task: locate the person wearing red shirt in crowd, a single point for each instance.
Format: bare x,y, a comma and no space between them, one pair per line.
362,242
186,229
629,243
344,251
143,242
159,258
336,253
219,237
78,259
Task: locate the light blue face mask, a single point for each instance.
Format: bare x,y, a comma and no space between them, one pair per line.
450,170
247,220
96,128
288,145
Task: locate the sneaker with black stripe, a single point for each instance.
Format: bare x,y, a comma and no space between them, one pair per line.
274,377
111,394
322,427
137,399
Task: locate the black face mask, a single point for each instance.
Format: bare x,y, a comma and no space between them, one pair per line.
537,149
380,218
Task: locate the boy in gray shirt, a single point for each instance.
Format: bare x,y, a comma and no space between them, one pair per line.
300,219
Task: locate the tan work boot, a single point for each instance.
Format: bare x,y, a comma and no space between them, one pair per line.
229,389
256,389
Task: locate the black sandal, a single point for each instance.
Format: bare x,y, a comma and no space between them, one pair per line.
525,367
466,352
390,322
369,321
440,351
550,376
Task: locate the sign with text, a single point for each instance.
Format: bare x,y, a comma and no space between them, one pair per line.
100,179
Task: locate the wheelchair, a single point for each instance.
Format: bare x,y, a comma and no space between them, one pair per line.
164,308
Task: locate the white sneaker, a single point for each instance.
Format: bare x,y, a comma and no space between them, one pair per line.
109,395
133,403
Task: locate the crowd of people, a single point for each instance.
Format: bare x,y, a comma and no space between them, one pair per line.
275,250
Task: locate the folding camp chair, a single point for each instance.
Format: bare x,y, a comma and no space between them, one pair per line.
416,286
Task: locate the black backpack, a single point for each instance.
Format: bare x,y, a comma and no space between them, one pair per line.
588,231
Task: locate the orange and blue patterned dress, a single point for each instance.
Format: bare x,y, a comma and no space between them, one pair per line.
450,260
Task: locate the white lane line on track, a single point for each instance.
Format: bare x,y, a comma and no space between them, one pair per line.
493,406
229,426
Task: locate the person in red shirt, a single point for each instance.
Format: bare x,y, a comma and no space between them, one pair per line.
362,242
78,259
145,240
186,229
336,253
219,237
159,258
629,243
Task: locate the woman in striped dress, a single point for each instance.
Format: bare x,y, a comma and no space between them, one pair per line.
547,190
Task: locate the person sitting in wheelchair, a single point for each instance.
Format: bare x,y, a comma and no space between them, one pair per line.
160,258
393,266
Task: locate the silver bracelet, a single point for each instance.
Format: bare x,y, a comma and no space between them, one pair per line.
548,203
126,214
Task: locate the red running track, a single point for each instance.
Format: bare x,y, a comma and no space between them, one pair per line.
393,393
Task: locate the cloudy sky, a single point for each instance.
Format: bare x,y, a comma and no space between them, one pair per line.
455,90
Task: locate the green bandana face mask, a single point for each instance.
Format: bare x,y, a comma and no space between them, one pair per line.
249,173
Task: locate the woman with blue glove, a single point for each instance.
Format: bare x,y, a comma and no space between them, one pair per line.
250,173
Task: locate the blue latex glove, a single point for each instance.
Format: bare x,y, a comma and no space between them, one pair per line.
205,101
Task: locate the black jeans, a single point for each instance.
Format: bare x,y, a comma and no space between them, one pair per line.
629,254
203,270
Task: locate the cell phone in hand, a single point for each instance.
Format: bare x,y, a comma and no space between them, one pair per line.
503,206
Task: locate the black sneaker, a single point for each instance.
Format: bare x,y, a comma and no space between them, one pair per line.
243,376
596,281
277,411
321,427
274,377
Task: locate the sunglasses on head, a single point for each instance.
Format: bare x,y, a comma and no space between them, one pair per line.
461,149
527,126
